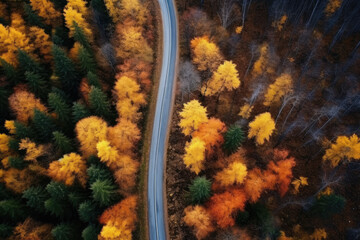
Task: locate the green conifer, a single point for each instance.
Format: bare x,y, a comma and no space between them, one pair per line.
86,60
22,131
63,143
57,190
61,108
32,18
28,64
12,209
10,72
327,205
234,137
43,125
93,80
35,198
4,104
58,208
17,162
200,190
98,172
6,230
91,232
37,84
89,211
65,231
104,192
100,104
81,38
79,111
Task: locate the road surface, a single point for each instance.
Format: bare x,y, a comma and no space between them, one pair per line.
156,212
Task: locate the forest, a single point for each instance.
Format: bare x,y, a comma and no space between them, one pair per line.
264,141
75,82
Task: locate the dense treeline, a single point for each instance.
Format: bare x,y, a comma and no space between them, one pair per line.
269,98
74,82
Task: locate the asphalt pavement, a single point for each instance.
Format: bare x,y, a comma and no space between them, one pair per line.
156,211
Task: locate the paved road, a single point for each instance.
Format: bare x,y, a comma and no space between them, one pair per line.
156,214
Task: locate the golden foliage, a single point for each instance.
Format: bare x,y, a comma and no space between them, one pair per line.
32,151
79,6
10,126
138,70
4,144
235,173
192,116
17,180
254,184
239,29
32,230
42,42
302,181
125,176
261,128
46,10
119,10
326,191
332,7
89,132
261,65
245,111
198,218
195,155
281,87
124,135
68,168
23,103
18,22
226,77
344,148
108,154
279,24
71,15
119,220
206,55
319,234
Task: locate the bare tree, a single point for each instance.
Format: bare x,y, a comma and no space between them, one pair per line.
228,13
108,52
189,78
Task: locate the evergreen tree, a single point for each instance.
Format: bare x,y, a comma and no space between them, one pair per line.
234,137
103,192
200,190
100,104
79,111
86,60
98,172
31,17
37,84
10,72
6,230
4,104
35,198
17,162
28,64
58,208
88,211
14,144
328,205
57,190
22,131
91,232
93,80
61,108
12,209
4,192
77,197
65,231
43,126
81,38
65,70
63,143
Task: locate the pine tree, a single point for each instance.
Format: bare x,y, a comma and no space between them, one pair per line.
58,208
81,38
12,209
200,190
10,72
234,137
93,80
28,64
77,196
89,211
65,70
35,198
79,111
103,192
57,190
62,142
86,60
98,172
22,131
65,231
327,205
17,162
100,104
91,232
61,108
32,18
37,84
43,126
5,230
13,144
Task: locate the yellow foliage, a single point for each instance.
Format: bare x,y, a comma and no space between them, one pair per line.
319,234
23,103
261,65
238,29
10,126
18,22
5,163
195,155
74,52
78,5
206,55
235,173
119,10
31,230
226,77
279,25
283,236
326,191
245,111
90,131
108,154
17,180
261,128
302,181
332,7
132,44
198,218
4,144
41,42
192,116
11,40
72,15
344,148
281,87
124,135
32,151
46,10
69,167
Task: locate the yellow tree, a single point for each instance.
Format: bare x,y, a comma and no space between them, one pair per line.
72,15
18,22
281,87
79,6
68,168
23,103
46,10
119,10
261,65
245,111
125,176
32,151
261,128
192,116
108,155
4,145
17,180
332,7
10,126
89,132
195,155
235,173
42,42
226,77
198,218
206,55
344,148
124,135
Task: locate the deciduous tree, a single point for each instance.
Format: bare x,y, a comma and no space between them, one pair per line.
32,151
206,55
198,218
261,128
192,116
281,87
46,10
124,135
235,173
195,155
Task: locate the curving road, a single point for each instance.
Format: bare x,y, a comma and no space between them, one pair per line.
156,212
